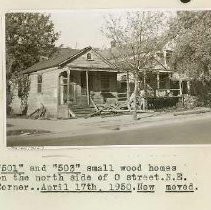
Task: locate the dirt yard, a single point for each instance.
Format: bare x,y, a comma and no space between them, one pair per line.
96,125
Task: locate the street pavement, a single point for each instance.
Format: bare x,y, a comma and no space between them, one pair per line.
194,129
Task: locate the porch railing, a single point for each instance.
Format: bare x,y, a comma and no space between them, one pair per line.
172,92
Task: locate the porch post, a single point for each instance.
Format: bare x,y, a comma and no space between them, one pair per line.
158,82
61,89
180,87
170,80
128,87
87,87
68,85
58,91
188,86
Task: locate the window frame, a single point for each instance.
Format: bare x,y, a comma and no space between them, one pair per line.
39,83
89,56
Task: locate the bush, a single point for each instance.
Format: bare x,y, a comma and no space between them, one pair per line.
190,102
202,91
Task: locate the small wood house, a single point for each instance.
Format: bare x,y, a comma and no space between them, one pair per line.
69,80
161,85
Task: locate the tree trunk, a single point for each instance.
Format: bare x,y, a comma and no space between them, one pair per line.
145,90
135,96
128,91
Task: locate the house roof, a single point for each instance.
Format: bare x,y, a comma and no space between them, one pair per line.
155,63
57,59
65,55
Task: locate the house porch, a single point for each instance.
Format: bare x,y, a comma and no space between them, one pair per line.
159,87
80,90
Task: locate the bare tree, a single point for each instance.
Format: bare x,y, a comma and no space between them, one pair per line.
137,36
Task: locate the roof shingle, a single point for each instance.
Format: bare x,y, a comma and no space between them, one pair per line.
56,59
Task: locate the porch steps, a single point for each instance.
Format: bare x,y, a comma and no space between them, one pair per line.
82,110
122,97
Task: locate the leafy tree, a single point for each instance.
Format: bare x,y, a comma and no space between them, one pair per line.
28,37
137,36
191,31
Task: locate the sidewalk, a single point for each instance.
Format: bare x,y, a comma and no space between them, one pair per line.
96,125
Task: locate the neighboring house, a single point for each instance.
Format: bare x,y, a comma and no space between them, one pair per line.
69,80
157,78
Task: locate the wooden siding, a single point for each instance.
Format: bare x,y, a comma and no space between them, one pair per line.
48,95
96,62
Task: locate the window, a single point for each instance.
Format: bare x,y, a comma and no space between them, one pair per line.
168,56
184,87
105,83
39,83
164,81
89,56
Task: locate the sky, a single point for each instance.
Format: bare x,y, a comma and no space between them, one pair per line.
82,28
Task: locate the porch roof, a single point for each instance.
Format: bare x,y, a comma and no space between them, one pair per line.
83,68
